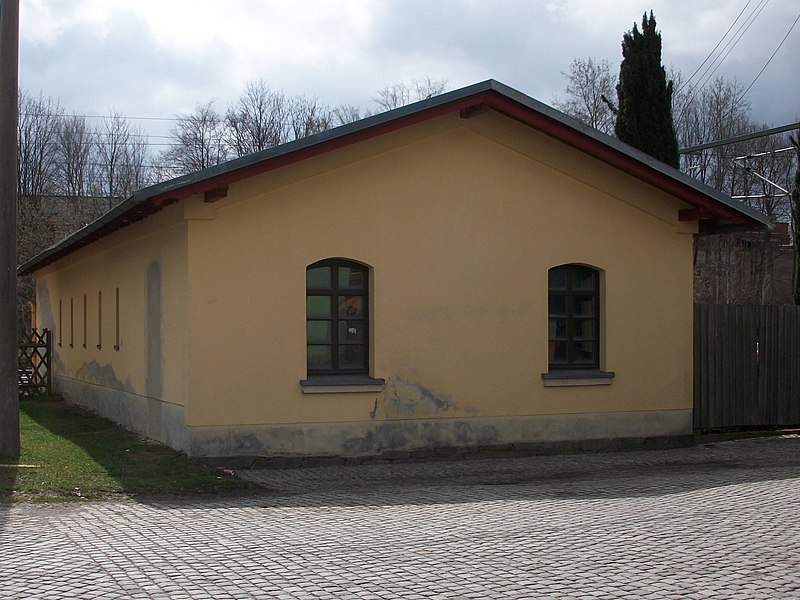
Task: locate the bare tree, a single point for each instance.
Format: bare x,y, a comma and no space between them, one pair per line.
112,140
750,267
257,120
393,96
38,129
37,145
121,159
199,141
344,114
427,87
590,87
714,112
37,154
76,146
399,94
133,172
308,116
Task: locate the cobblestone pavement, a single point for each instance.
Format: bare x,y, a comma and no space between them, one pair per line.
712,521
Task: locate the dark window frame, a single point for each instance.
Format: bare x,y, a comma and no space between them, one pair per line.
334,292
569,293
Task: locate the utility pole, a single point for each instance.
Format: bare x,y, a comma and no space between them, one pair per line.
9,67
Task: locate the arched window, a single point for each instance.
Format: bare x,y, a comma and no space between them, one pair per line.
574,317
337,318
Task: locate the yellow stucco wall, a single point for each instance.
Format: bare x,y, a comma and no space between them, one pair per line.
146,262
460,221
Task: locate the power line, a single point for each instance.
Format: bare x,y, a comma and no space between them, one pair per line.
731,44
120,144
770,58
123,117
740,138
710,54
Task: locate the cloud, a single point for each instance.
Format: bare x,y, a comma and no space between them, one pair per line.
161,58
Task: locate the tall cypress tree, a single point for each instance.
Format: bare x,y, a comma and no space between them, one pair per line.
644,117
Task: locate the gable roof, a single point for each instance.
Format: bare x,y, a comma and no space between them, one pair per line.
712,208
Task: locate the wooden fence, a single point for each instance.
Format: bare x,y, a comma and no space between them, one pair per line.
746,366
33,358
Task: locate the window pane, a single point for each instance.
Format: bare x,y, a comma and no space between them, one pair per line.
350,278
318,278
557,279
318,307
318,332
319,357
558,352
351,306
351,357
351,331
557,305
583,353
584,329
583,306
583,280
558,329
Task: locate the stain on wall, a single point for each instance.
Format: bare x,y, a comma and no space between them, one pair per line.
103,375
153,349
46,320
405,399
45,317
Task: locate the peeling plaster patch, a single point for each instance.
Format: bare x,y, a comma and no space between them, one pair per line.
374,441
246,441
249,444
403,399
364,438
103,375
374,410
465,434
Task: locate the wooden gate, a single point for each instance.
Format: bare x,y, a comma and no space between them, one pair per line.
746,366
33,358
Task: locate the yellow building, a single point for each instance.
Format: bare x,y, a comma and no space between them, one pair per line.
473,270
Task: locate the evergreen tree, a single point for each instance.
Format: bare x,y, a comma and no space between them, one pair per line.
644,117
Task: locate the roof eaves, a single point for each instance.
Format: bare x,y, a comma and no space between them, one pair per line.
752,215
174,186
153,198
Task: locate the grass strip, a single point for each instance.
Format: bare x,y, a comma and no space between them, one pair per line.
69,454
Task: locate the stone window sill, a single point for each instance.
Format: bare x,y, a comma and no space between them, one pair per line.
569,377
341,384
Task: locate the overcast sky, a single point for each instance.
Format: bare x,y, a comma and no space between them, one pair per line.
149,58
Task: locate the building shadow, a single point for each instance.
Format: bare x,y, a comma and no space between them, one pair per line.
8,481
584,476
8,478
110,459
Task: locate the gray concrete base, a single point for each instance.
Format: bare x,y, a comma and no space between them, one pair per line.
587,430
165,423
152,418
